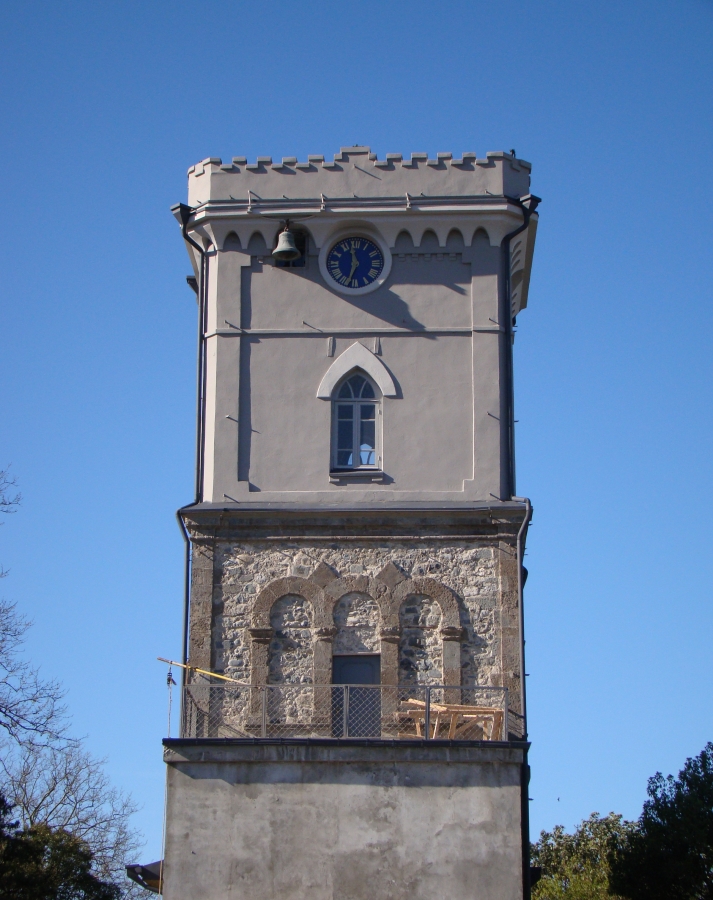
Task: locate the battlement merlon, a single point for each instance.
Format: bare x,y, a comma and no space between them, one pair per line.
356,172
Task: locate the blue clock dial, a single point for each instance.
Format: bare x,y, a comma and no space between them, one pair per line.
355,262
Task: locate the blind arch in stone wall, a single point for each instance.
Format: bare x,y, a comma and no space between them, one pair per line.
420,642
290,657
450,630
356,618
261,629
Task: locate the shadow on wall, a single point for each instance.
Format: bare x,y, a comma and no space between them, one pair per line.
384,303
420,646
245,421
474,644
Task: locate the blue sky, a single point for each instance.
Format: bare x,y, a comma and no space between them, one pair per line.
104,107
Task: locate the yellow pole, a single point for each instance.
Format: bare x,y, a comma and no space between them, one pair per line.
172,662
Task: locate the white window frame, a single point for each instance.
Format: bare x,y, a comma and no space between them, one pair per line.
356,403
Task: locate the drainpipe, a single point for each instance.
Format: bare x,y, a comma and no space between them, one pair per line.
525,769
528,204
521,536
186,592
185,213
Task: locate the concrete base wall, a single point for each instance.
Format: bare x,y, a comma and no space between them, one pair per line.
333,820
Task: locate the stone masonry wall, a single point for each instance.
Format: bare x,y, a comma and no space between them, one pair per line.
241,570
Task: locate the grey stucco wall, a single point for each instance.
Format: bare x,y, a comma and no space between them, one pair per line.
285,430
342,823
273,332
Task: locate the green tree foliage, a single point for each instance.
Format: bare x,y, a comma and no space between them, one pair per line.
40,863
576,866
670,854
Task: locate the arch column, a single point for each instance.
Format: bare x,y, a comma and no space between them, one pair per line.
259,668
323,639
451,637
389,648
322,642
259,654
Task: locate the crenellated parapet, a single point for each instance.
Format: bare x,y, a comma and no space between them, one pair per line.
356,172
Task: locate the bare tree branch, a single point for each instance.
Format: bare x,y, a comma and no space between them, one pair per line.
9,500
30,707
65,787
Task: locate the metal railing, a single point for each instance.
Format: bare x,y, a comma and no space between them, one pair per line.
425,712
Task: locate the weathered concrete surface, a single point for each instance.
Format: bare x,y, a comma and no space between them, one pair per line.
343,821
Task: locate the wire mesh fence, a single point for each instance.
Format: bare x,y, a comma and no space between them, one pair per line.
435,712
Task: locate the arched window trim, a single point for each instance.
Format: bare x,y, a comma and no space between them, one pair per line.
356,356
356,424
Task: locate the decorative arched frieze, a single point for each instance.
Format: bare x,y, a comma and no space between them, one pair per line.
454,241
403,242
231,242
258,244
430,242
480,234
356,357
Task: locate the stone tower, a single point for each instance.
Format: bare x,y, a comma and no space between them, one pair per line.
355,545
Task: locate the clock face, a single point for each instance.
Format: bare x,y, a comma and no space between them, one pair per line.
355,262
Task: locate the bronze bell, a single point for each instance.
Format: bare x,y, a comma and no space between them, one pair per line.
286,250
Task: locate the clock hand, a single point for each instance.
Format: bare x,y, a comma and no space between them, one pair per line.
355,264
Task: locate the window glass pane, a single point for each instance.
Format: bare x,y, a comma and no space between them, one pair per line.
367,443
367,456
357,383
367,390
344,459
367,434
345,390
345,411
368,411
345,435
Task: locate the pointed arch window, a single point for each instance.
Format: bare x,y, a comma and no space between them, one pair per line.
356,421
